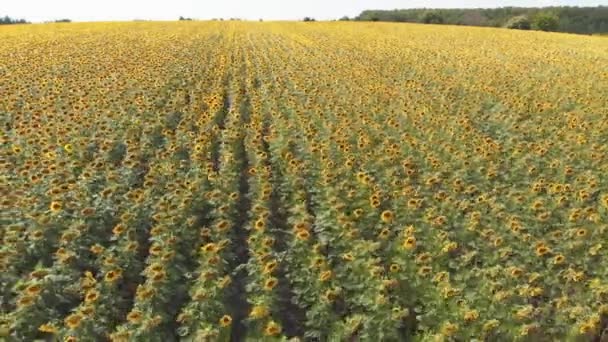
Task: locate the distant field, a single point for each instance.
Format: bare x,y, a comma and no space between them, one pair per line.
206,181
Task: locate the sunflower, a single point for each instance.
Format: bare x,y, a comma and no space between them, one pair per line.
559,259
409,243
490,325
118,229
222,225
471,315
24,301
449,329
260,224
542,251
225,321
270,283
96,249
68,148
272,329
91,296
270,266
384,234
424,270
604,201
113,275
387,216
259,311
325,275
73,320
135,316
303,235
55,206
48,328
210,248
358,212
33,290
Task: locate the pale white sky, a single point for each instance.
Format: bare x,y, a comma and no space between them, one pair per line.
99,10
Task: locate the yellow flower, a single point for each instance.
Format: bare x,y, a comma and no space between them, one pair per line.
525,312
259,311
33,290
272,329
348,257
384,233
559,259
387,216
135,316
73,320
55,207
449,247
210,248
424,270
581,233
325,275
225,321
260,224
542,250
471,315
24,301
409,243
68,148
526,329
96,249
490,325
91,296
303,235
48,328
449,329
113,275
270,283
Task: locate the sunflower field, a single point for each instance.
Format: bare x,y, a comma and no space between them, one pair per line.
335,181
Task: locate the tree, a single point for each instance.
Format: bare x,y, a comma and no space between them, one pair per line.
432,17
309,19
9,21
520,22
345,18
546,22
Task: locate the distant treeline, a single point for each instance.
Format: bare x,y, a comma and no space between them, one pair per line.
585,20
9,21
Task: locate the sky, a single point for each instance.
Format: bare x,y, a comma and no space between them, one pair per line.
111,10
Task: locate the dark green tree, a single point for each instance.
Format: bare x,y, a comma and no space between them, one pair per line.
432,17
10,21
546,22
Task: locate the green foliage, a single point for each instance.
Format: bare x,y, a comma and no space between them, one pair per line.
9,21
520,22
307,19
432,17
584,20
546,22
